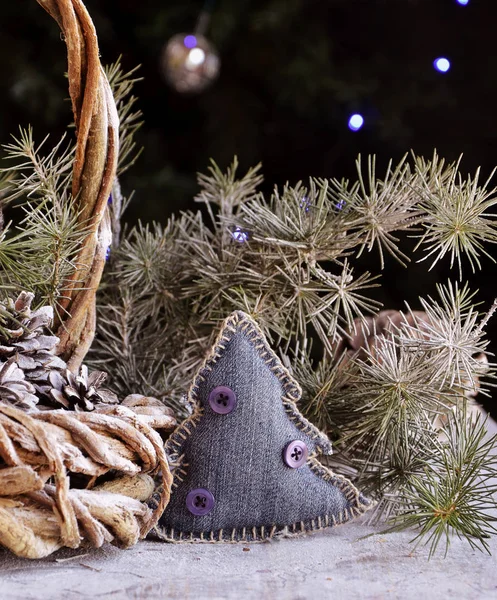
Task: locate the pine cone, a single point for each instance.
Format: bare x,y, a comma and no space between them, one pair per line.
14,389
24,336
367,331
82,392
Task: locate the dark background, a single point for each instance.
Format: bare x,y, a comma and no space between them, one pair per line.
292,72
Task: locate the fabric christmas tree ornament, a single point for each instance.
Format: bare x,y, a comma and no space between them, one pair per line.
246,459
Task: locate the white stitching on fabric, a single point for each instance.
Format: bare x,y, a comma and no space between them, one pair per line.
291,393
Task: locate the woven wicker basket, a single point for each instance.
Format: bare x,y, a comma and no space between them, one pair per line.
71,478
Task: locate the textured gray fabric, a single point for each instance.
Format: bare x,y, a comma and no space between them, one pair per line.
238,456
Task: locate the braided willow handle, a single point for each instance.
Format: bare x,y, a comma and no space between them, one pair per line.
41,511
94,171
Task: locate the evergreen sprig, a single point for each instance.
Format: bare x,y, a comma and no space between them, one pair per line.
38,253
382,207
289,261
457,220
453,334
396,398
455,492
130,120
33,174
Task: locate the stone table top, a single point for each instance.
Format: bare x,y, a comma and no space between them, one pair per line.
351,561
337,563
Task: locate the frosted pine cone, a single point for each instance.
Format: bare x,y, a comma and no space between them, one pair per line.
366,331
82,392
24,336
14,388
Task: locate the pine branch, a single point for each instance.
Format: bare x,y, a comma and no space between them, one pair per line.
456,491
43,254
52,233
401,388
226,191
457,221
393,393
289,262
39,255
323,384
271,258
34,176
453,338
382,207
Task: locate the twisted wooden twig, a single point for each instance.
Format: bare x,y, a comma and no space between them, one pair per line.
40,453
94,171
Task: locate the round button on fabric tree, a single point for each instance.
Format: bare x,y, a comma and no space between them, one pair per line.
295,454
200,502
222,400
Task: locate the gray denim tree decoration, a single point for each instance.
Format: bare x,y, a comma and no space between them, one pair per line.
246,466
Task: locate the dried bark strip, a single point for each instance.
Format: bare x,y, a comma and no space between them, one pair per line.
94,171
37,516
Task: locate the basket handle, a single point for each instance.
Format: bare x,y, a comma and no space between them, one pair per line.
94,172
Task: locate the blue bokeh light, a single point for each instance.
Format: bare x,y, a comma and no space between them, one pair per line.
441,64
356,121
190,41
462,2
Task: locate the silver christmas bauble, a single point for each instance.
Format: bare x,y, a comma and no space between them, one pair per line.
190,63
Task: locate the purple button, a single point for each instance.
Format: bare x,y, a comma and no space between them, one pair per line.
295,454
222,400
200,502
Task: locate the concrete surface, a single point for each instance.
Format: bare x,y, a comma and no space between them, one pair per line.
336,563
333,564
